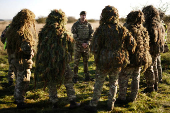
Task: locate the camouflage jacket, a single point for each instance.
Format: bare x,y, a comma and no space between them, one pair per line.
82,32
110,46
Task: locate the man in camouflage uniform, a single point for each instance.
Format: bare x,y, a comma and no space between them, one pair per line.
53,57
141,56
82,33
109,45
20,44
10,71
157,34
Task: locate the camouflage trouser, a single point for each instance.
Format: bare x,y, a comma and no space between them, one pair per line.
10,70
159,67
23,74
124,76
151,73
113,82
77,56
68,84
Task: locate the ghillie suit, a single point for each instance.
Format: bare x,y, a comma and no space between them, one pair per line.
82,33
157,33
110,46
53,55
20,44
141,56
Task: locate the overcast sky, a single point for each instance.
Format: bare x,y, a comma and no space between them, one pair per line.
9,8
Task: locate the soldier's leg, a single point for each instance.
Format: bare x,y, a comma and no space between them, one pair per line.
69,84
100,78
135,83
159,67
69,87
77,57
22,82
113,82
85,62
155,72
123,83
150,79
53,93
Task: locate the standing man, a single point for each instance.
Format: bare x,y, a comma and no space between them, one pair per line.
82,34
10,71
53,57
110,46
157,34
141,56
20,43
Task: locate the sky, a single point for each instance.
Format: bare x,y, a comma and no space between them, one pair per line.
41,8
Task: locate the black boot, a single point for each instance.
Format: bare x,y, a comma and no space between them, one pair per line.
74,104
156,87
21,105
121,102
55,106
148,90
75,79
91,108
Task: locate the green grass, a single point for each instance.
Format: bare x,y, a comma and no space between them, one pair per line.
37,99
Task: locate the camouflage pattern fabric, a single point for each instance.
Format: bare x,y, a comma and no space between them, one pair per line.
52,86
109,45
159,67
151,73
82,33
113,82
3,38
124,76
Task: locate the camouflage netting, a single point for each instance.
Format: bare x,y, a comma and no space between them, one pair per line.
134,24
153,25
19,31
111,41
54,46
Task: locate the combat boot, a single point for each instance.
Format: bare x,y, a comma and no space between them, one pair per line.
156,87
21,105
74,104
75,79
91,108
55,106
121,102
148,90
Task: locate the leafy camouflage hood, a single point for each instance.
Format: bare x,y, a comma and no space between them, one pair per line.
109,15
54,47
20,31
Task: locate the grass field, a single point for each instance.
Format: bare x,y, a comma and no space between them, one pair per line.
37,98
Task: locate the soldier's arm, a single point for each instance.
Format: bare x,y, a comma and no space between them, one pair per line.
74,30
90,33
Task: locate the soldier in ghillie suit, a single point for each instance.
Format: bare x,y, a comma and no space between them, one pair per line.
141,56
20,44
110,46
82,34
53,56
157,33
159,66
10,71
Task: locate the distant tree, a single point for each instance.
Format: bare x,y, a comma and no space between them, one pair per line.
41,19
71,19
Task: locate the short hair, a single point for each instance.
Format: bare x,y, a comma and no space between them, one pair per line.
83,13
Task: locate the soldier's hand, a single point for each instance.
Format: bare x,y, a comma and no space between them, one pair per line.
85,45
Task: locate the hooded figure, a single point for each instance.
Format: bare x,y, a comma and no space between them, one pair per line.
141,56
20,41
53,57
110,45
157,34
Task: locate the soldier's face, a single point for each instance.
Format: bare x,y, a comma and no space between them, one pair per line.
83,17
